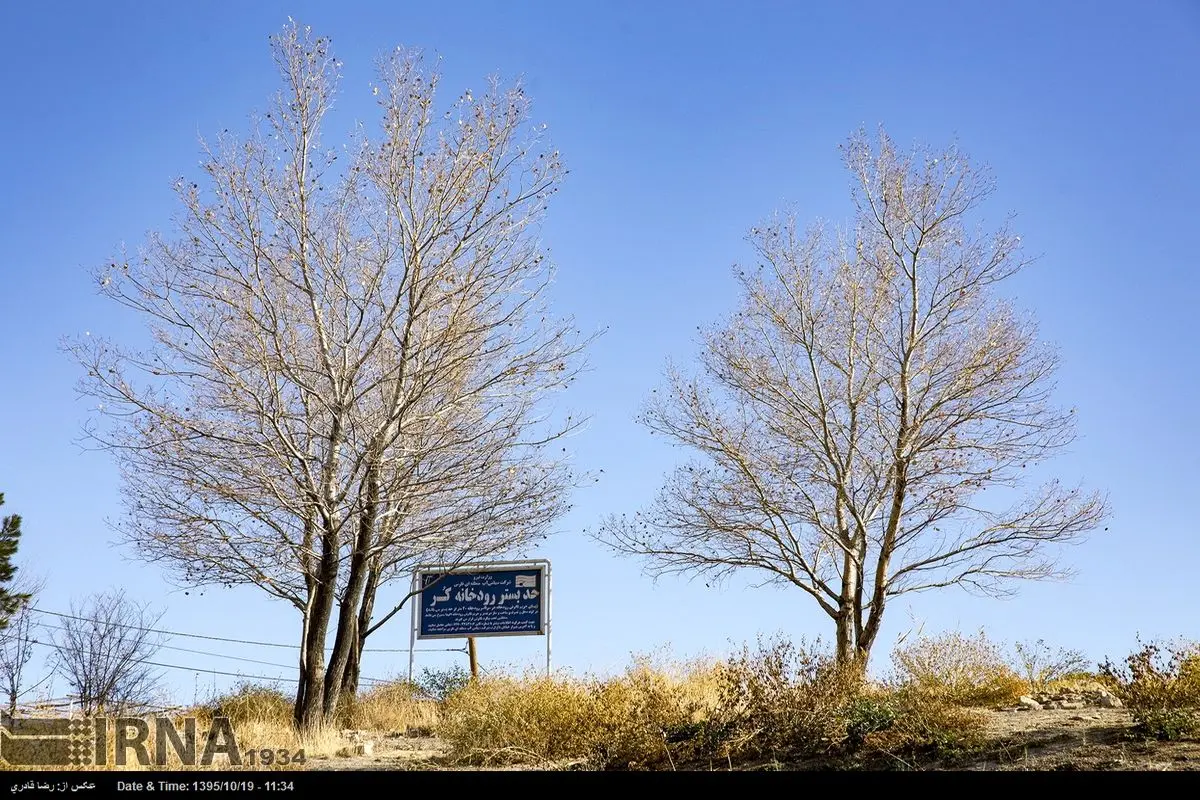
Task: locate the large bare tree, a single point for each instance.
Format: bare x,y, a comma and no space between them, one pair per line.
864,423
352,357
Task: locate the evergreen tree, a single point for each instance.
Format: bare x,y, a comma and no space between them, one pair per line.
10,536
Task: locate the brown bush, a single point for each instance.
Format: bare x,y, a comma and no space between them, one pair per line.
500,720
778,701
1044,667
784,700
961,670
250,702
1160,684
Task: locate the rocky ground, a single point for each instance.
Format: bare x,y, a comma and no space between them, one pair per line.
1069,739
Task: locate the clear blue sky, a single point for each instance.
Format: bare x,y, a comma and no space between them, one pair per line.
683,124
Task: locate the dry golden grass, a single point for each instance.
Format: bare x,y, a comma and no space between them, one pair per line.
392,707
624,721
262,718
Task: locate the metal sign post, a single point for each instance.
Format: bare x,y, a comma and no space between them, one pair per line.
412,634
510,598
548,590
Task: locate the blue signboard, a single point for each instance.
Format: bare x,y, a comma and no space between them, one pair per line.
482,602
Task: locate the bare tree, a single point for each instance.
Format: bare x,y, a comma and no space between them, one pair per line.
862,421
352,355
17,641
102,648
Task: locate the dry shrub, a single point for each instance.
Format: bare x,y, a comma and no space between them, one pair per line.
652,714
961,670
253,703
512,720
393,706
1043,666
1160,684
261,717
784,700
1080,682
641,719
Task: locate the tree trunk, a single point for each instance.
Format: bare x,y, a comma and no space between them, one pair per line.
309,712
846,646
302,683
352,673
347,638
365,612
344,643
847,629
867,640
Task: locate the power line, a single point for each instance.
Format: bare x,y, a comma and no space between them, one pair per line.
364,679
207,653
220,672
165,632
31,688
200,669
212,671
225,639
239,658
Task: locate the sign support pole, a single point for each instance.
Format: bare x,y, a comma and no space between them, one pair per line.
412,631
548,616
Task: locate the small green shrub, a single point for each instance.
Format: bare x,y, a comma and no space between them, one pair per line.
924,724
439,684
1168,724
1160,685
867,715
